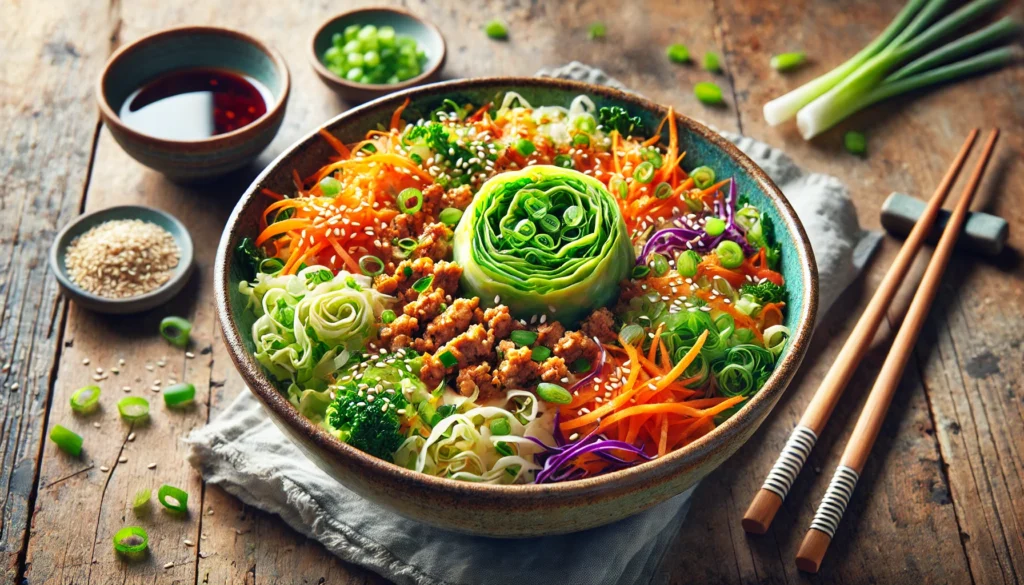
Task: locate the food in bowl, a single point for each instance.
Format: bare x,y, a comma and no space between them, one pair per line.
505,293
366,54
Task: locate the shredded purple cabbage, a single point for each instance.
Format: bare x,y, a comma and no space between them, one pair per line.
554,460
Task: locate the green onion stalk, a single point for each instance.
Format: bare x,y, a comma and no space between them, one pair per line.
544,241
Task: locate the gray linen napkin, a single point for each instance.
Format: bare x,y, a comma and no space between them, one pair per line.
243,452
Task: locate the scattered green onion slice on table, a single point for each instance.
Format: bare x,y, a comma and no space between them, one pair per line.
131,540
855,142
371,265
500,426
540,353
329,186
708,93
180,394
714,226
388,316
711,62
703,177
86,399
172,498
176,330
640,271
410,200
729,254
423,284
448,359
523,337
598,30
496,29
686,263
644,172
678,53
133,408
788,61
69,441
631,333
553,393
141,499
525,147
450,216
663,190
658,264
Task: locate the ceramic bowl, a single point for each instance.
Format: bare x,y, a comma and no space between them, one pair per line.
139,62
136,304
427,36
520,510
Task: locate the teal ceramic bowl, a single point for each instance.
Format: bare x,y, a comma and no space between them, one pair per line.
521,510
427,36
173,49
178,279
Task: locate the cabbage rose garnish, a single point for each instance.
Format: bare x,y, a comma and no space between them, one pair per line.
543,240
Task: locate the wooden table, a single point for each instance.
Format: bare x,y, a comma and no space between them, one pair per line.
942,500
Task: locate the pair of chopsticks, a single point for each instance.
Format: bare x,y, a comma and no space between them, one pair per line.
829,513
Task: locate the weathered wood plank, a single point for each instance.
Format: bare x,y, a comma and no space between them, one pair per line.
47,125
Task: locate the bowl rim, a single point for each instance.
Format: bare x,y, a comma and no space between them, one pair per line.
183,238
328,75
111,118
660,469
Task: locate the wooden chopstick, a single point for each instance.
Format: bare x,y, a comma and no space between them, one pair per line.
769,498
837,496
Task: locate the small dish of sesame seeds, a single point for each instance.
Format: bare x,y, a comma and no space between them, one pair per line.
123,259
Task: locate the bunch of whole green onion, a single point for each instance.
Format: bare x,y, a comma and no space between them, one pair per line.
366,54
908,55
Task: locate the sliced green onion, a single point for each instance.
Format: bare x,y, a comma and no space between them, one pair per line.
855,143
523,337
503,449
271,265
176,330
408,244
579,366
597,31
133,408
525,147
496,29
663,190
788,61
410,200
172,498
644,172
711,62
450,216
180,394
448,359
573,216
658,264
540,353
500,426
678,53
553,393
86,400
654,157
714,226
708,93
423,283
563,161
618,186
640,271
329,186
69,441
686,263
371,265
131,540
580,140
729,254
388,316
585,123
141,499
631,334
703,177
550,224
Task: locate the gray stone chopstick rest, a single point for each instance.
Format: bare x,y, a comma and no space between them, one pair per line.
983,233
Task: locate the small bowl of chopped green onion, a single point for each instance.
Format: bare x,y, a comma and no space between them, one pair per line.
366,53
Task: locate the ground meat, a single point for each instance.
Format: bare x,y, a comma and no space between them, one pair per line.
402,226
433,197
432,372
399,333
499,322
459,197
454,320
427,306
574,345
435,242
446,278
600,324
554,371
517,369
548,334
474,378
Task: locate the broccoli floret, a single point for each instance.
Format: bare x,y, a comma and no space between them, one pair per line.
764,292
372,427
617,118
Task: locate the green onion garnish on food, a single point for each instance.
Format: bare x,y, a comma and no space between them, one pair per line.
553,393
69,441
133,408
711,62
410,200
703,177
496,29
131,540
371,265
500,426
523,337
172,498
180,394
714,226
640,271
388,316
86,400
448,359
730,254
644,172
450,216
678,53
329,186
598,30
686,263
788,61
525,147
658,264
176,330
141,500
503,449
663,190
855,143
408,245
563,161
540,353
708,93
423,284
631,333
580,140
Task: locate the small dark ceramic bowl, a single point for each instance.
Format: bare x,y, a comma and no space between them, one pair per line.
144,60
405,23
519,510
137,304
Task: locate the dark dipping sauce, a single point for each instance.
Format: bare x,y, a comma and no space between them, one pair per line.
192,104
